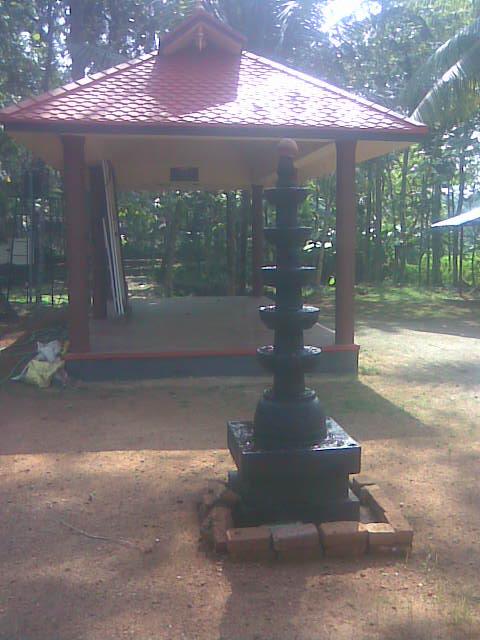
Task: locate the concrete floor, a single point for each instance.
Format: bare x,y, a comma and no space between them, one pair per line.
191,324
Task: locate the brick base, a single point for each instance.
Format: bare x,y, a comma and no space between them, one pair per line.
388,532
343,539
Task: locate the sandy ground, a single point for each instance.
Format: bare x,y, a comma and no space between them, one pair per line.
128,462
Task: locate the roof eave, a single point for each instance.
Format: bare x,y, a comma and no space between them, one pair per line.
321,133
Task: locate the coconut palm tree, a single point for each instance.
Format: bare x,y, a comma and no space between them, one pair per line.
446,89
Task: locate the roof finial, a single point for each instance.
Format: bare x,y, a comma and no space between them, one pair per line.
201,39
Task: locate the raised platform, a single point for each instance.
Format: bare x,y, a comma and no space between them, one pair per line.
302,483
181,337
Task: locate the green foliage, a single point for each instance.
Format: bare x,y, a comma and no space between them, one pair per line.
401,53
142,225
446,85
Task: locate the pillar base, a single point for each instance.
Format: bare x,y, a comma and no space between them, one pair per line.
308,484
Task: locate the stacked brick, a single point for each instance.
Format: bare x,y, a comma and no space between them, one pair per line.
388,532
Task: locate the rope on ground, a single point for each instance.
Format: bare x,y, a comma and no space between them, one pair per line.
125,543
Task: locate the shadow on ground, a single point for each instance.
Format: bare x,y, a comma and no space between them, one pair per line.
460,373
192,415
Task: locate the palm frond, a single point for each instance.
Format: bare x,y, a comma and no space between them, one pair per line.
441,61
455,95
300,18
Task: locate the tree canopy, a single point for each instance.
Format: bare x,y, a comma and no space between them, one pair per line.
413,56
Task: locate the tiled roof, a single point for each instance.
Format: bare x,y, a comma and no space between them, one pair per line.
207,90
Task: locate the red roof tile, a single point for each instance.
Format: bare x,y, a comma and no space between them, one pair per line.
208,90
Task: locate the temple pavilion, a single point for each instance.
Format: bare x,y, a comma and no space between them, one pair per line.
202,113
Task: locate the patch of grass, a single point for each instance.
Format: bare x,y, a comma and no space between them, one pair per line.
391,302
461,615
59,299
365,369
354,397
431,560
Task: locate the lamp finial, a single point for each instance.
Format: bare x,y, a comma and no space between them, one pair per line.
286,170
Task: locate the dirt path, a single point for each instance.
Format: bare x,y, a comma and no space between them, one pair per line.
128,462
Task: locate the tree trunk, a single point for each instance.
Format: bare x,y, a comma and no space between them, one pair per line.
379,253
258,240
40,251
368,222
455,257
77,37
460,268
461,183
449,234
419,267
472,265
428,251
402,218
437,238
396,257
321,251
320,222
461,197
421,249
170,246
242,244
114,25
423,226
230,240
47,76
208,248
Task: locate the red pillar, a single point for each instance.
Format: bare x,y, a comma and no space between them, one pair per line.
98,207
257,240
346,241
77,228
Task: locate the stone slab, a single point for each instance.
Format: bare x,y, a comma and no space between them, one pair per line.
262,507
374,497
295,537
342,533
250,543
403,529
338,453
222,521
361,480
343,539
366,514
380,534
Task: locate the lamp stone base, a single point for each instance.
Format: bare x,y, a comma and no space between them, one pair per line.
308,484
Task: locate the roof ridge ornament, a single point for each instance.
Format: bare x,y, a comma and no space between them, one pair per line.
202,30
201,38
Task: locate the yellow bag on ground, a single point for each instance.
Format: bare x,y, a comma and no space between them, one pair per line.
41,373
